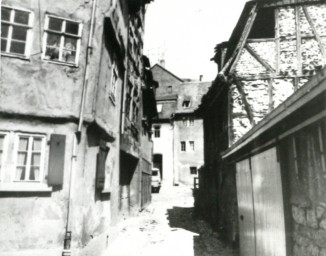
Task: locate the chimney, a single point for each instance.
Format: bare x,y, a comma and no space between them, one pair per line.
162,63
200,78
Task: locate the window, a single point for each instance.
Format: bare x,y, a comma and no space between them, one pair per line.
193,170
16,31
186,104
264,24
159,108
114,82
61,40
170,89
191,120
192,145
2,148
184,121
157,131
183,146
30,150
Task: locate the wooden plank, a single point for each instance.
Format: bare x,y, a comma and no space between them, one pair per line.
298,34
245,35
260,60
321,148
321,47
270,95
277,41
295,157
242,41
246,103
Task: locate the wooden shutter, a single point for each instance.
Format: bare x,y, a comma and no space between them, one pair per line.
100,167
56,159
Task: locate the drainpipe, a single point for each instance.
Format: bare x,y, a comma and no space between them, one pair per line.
77,137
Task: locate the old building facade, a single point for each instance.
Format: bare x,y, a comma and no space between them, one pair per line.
72,83
264,131
177,132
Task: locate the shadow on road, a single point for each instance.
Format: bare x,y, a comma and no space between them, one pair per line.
205,241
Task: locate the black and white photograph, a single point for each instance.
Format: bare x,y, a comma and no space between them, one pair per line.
163,128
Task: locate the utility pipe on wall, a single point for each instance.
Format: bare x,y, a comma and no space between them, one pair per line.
77,136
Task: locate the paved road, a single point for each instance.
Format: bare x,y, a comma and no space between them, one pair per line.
167,228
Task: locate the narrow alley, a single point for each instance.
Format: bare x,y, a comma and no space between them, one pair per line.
167,227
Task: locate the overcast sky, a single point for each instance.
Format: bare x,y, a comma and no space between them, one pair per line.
185,33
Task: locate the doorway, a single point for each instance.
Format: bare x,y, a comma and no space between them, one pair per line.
158,163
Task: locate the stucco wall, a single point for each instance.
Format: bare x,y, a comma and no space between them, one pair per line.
164,146
184,160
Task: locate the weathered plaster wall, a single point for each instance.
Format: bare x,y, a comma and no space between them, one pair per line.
184,160
36,220
164,145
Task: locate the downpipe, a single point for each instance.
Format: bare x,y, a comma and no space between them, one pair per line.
76,139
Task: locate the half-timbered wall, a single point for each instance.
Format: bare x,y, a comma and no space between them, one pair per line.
268,70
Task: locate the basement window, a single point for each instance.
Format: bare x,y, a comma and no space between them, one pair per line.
16,31
193,170
61,42
264,24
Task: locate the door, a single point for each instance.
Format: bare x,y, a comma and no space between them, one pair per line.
245,205
268,204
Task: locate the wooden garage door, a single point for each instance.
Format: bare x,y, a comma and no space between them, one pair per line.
268,204
245,204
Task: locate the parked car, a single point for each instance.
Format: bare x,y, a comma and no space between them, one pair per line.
156,180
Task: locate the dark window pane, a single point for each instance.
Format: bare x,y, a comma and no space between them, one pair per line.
3,45
20,173
17,47
52,53
70,43
55,24
19,33
21,17
34,173
69,56
4,30
53,40
72,27
5,13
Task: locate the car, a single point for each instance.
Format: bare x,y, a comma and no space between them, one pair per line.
156,180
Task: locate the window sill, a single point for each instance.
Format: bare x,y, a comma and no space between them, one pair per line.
61,63
24,187
13,55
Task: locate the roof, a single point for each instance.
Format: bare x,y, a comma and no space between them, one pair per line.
169,72
192,92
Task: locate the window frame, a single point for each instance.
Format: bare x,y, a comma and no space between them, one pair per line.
157,131
29,34
183,146
193,168
184,105
62,36
4,151
17,136
192,145
114,84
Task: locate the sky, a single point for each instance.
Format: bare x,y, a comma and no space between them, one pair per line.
185,32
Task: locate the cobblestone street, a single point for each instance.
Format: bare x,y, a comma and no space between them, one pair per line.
168,228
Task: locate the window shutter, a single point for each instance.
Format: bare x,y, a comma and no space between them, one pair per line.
56,159
100,167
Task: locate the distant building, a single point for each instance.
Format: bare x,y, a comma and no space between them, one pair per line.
263,182
177,132
75,147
